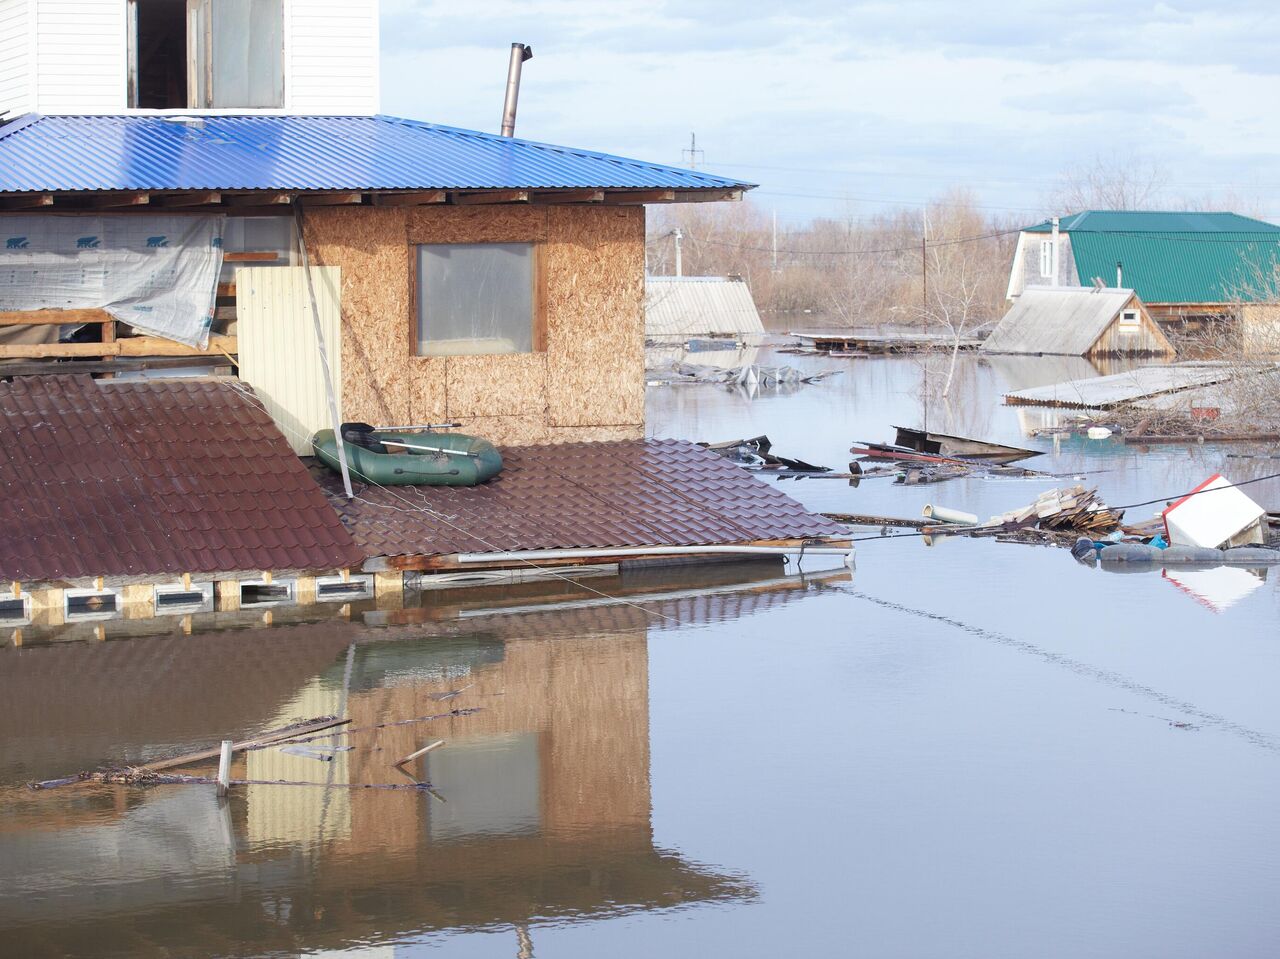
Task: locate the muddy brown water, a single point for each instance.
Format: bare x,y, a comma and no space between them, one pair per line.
964,749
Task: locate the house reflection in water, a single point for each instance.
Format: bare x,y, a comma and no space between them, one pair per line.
544,793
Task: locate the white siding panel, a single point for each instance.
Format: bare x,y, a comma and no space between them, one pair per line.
277,344
15,58
331,50
81,49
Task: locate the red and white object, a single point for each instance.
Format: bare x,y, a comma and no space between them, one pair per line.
1214,515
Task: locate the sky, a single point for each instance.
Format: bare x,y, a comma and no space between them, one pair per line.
849,108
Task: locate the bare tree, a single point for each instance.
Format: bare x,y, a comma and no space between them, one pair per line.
1113,181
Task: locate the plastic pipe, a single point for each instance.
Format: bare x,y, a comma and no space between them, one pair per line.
944,515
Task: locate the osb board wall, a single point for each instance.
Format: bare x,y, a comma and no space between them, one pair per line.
587,385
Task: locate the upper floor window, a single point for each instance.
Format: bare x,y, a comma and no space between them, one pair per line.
476,298
206,54
1046,259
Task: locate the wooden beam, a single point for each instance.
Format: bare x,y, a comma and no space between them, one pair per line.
51,317
491,196
330,199
99,201
51,367
408,199
259,198
200,198
226,289
707,196
27,201
158,346
129,346
568,196
639,196
256,256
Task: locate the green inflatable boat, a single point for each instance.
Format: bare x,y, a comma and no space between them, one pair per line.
391,458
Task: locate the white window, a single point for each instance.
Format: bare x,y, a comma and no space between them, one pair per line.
477,298
1046,259
201,54
1129,322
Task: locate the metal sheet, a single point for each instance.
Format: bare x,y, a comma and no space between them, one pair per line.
77,153
685,306
274,319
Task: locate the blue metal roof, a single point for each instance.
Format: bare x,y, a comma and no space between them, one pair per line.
55,154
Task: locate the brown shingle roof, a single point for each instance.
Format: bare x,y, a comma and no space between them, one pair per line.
628,493
136,478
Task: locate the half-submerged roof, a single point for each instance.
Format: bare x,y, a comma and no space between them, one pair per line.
1174,257
582,495
116,478
153,152
683,306
1062,321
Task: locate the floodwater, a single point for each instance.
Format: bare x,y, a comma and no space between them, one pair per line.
963,749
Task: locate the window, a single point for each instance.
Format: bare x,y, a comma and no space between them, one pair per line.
1046,259
477,298
1129,322
201,54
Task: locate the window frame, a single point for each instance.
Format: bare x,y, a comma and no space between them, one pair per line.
198,16
1046,259
537,301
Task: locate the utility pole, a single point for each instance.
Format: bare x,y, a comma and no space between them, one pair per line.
678,237
924,276
693,152
775,241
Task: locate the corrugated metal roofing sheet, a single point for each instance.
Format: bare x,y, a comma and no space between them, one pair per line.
150,152
627,493
1179,267
127,479
1157,221
698,305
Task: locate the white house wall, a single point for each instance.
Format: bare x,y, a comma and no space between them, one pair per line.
81,50
15,56
71,56
332,56
1026,263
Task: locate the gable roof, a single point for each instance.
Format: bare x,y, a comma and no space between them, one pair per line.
683,306
1155,221
1172,257
1061,321
51,154
117,478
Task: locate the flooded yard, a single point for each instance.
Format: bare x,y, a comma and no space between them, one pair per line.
968,748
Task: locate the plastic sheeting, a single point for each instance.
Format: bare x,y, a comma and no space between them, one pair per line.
159,274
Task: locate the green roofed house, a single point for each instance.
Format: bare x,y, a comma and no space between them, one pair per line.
1187,268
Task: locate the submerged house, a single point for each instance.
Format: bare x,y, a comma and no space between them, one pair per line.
1189,268
205,186
681,308
1078,321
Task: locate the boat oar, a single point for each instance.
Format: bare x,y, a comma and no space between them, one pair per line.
414,429
426,449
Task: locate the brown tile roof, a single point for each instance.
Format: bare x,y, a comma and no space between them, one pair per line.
136,478
628,493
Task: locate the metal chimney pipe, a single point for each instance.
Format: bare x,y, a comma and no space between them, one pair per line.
519,54
1119,276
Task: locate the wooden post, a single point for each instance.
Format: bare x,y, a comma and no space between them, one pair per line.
224,768
388,589
228,593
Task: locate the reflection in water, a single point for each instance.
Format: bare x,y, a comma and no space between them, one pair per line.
542,796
